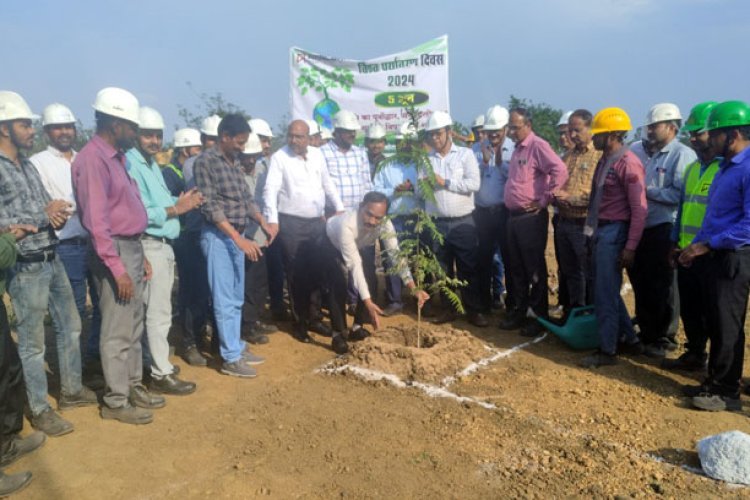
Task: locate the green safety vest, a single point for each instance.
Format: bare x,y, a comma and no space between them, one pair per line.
696,198
175,170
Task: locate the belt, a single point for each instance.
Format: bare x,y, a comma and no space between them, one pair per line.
578,221
166,241
75,241
520,213
491,208
41,256
606,222
448,219
135,237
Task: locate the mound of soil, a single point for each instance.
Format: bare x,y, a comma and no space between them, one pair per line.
442,351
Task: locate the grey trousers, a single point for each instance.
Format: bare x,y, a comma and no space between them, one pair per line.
122,324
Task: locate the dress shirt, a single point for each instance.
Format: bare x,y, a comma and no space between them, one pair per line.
54,169
298,186
23,200
388,178
726,225
581,165
665,171
347,233
109,202
223,185
374,162
507,152
638,149
154,194
349,172
460,170
534,173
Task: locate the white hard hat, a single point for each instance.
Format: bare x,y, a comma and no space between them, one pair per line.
13,107
406,130
478,122
438,120
253,146
150,119
117,102
497,118
663,112
187,137
346,120
210,126
313,126
564,118
260,127
376,131
57,114
325,134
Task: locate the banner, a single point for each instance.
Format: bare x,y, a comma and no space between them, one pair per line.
376,89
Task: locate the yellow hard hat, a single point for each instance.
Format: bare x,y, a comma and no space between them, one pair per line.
611,120
470,137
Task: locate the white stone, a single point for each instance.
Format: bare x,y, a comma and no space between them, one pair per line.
726,456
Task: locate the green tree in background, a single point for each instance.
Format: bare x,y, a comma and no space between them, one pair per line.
209,104
544,118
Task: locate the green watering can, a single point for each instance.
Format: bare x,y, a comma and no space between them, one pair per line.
579,330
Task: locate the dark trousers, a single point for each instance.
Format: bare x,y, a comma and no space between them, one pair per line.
275,275
503,215
526,265
404,227
194,282
489,225
12,391
728,284
694,301
652,277
459,249
573,263
298,237
256,287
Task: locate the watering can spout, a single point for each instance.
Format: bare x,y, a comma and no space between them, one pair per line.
579,330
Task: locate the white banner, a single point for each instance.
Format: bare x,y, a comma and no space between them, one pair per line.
376,89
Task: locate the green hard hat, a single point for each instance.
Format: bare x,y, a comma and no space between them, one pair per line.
728,114
698,116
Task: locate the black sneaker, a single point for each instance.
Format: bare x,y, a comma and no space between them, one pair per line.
339,344
689,361
715,402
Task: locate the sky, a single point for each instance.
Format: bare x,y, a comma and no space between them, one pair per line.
570,54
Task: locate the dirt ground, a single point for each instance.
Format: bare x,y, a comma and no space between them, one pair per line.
537,426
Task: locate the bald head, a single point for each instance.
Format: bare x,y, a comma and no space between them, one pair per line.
298,137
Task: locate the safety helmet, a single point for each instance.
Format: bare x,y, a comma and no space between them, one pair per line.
187,137
564,118
662,112
150,119
210,126
326,134
376,131
260,127
117,102
479,121
611,120
438,120
698,115
346,120
497,117
57,114
313,126
729,114
252,146
14,107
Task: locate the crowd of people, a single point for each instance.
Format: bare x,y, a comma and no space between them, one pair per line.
240,224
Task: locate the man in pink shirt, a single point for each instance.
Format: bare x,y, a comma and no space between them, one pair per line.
535,173
616,218
111,210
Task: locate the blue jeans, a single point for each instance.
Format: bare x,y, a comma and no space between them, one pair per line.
75,259
613,320
226,279
34,288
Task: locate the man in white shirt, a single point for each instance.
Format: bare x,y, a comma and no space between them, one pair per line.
339,253
53,165
458,178
295,193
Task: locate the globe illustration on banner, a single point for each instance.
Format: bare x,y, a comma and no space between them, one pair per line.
324,111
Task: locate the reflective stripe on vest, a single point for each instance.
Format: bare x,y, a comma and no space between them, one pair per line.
175,170
696,198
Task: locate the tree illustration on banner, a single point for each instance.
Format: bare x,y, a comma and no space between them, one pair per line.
321,81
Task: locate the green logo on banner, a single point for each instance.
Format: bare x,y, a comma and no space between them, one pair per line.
401,99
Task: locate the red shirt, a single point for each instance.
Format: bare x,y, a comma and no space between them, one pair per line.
534,173
624,195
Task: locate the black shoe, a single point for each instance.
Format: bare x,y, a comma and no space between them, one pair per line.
320,328
142,398
689,361
193,357
281,315
532,329
171,385
358,333
598,359
691,391
18,447
84,397
446,317
477,319
655,350
634,349
13,483
339,345
301,335
128,414
512,323
253,336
